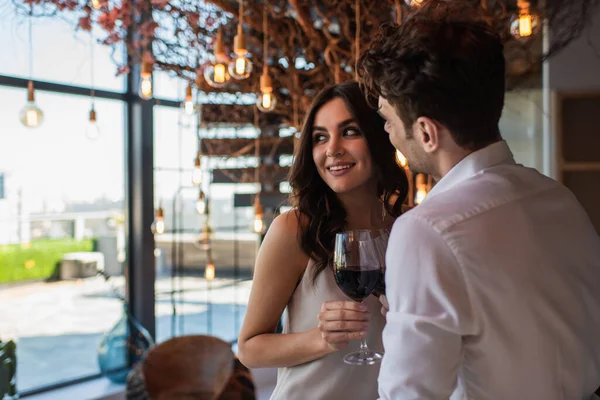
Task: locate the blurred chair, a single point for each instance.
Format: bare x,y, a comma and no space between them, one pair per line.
191,368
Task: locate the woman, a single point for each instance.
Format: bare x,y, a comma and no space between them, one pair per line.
344,176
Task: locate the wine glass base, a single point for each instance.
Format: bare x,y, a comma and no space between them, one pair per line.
367,357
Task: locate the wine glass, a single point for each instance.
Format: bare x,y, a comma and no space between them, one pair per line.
380,238
356,267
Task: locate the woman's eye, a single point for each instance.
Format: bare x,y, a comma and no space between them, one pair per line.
318,138
352,132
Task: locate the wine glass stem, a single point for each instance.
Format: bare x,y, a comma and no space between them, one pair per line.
363,341
363,345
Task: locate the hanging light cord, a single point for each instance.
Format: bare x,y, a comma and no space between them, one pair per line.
92,72
30,44
257,147
356,36
241,16
265,33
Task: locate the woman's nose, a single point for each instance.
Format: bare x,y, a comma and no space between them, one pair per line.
334,149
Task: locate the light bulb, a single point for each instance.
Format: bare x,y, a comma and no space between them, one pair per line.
525,28
216,75
188,106
400,159
201,203
145,91
31,116
241,67
420,196
421,186
158,225
197,174
525,23
414,3
146,87
92,130
96,4
266,101
259,224
258,215
209,273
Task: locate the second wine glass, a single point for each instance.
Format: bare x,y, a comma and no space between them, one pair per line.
356,265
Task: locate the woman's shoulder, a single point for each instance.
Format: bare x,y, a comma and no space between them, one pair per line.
284,236
290,222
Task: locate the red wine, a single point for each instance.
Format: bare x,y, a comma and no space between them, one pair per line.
380,286
356,283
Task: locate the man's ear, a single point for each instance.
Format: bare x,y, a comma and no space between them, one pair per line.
427,131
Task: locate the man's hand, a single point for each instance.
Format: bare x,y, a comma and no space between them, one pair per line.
385,306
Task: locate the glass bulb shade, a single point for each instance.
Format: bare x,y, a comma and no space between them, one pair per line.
201,206
240,68
420,196
158,226
96,4
259,224
209,273
146,87
216,74
197,176
92,130
31,116
524,24
400,159
188,107
266,101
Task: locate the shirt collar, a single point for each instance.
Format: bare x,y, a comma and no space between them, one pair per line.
494,154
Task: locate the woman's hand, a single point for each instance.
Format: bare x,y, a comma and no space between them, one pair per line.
342,321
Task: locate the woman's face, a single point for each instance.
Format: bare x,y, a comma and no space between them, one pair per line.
340,149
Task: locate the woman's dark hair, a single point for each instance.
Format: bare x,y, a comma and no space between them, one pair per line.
322,214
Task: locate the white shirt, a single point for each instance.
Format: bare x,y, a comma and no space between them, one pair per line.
493,287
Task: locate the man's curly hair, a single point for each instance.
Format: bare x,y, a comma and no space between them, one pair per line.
443,62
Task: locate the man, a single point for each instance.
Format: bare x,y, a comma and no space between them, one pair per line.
492,281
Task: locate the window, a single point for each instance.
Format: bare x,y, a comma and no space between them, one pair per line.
62,219
55,39
186,302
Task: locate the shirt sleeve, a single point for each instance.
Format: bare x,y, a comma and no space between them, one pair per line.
429,314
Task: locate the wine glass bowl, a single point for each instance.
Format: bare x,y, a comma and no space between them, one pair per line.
357,271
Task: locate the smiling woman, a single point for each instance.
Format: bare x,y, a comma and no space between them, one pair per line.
344,176
340,151
342,131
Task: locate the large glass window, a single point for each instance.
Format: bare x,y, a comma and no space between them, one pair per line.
186,302
61,54
62,224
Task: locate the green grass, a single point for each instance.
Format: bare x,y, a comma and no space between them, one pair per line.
36,260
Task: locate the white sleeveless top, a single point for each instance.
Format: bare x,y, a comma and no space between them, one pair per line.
327,378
